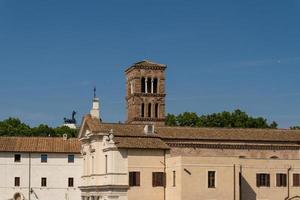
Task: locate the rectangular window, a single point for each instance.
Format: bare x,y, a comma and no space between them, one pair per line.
44,182
71,182
281,180
134,178
211,179
174,178
263,180
17,181
296,180
158,179
44,158
17,157
71,158
106,164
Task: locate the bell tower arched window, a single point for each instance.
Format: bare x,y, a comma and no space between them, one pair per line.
155,85
143,86
143,110
149,109
156,110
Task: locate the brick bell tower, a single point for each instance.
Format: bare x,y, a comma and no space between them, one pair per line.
145,93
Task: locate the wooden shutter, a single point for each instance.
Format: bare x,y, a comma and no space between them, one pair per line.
296,179
137,178
278,182
258,180
268,179
284,180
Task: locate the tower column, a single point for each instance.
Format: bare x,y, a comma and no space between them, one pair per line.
146,85
152,86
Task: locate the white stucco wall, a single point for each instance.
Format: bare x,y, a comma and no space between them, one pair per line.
57,171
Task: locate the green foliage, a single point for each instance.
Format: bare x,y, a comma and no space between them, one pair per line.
295,128
235,119
14,127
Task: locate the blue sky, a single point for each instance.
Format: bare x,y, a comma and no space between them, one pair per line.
221,55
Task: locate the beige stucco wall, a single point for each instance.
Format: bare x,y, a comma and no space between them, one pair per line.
192,180
249,167
248,153
146,162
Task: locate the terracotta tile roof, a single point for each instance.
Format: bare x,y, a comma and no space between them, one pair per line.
140,143
39,144
146,64
133,136
271,135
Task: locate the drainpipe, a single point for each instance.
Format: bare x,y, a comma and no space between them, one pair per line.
29,176
165,175
234,182
288,182
240,182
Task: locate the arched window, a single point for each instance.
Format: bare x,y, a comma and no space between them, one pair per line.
149,110
156,110
143,85
143,110
149,85
155,85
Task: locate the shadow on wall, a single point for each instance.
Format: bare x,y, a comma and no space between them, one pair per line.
247,193
294,198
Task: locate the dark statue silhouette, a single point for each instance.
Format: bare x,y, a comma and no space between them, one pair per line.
72,120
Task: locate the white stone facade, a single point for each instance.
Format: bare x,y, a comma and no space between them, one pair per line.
30,170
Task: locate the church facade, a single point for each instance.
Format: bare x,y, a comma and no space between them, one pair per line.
144,159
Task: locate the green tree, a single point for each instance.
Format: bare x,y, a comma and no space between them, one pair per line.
14,127
295,128
235,119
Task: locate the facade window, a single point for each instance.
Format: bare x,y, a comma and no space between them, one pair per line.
174,178
93,164
263,180
143,85
17,157
106,164
155,85
17,181
158,179
211,179
149,109
44,158
281,180
70,182
71,158
134,178
296,180
149,83
43,182
143,110
156,110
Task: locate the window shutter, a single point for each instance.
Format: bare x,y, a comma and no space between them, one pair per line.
153,179
257,180
130,179
296,180
278,180
268,180
284,180
137,178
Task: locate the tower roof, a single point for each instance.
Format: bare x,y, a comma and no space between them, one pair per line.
146,64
